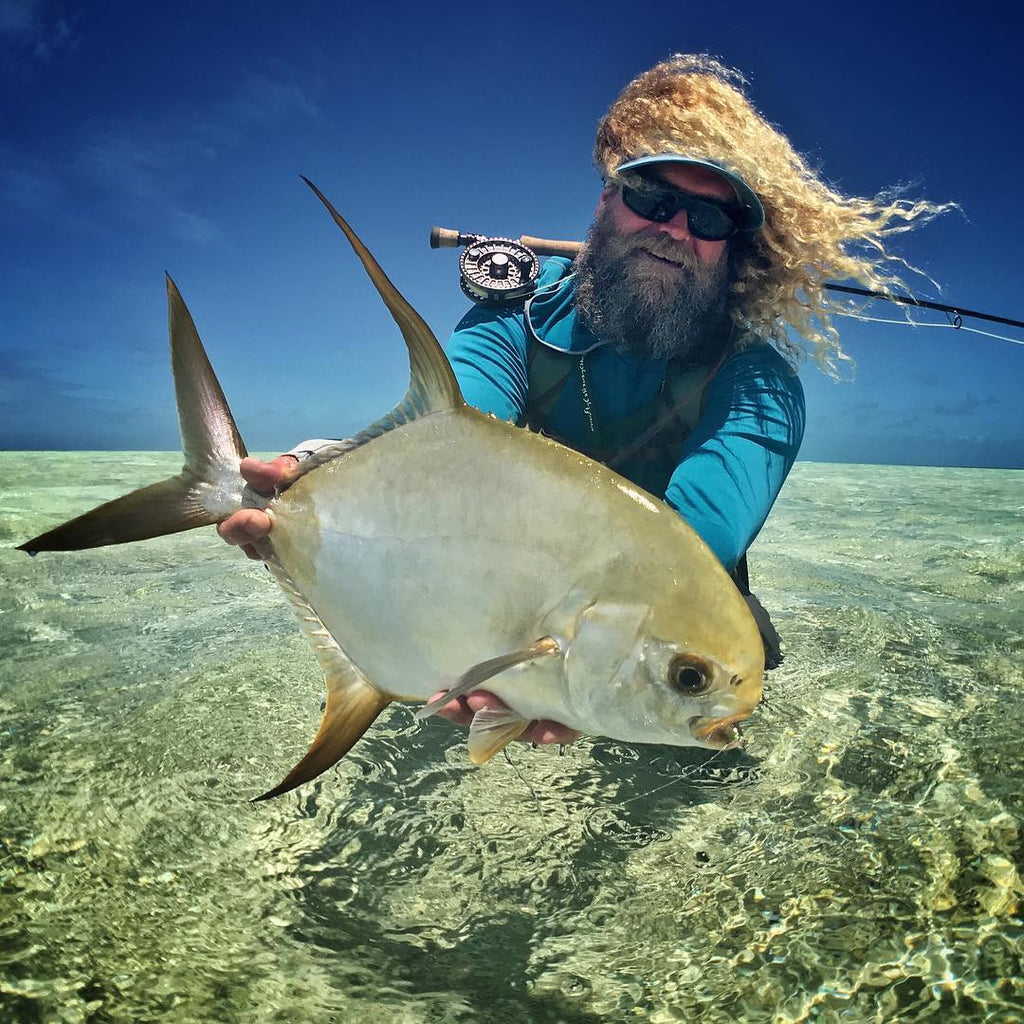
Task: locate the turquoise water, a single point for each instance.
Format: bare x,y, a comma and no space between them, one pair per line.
860,861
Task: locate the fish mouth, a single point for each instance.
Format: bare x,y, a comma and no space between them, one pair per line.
721,733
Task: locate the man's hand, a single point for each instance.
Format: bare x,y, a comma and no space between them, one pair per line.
461,712
250,524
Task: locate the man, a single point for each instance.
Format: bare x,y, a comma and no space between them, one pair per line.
664,351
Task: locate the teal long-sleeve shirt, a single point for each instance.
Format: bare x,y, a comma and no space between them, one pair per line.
730,469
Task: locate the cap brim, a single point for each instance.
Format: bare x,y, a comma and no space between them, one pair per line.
747,197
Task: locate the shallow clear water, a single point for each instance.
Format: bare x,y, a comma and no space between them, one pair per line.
860,861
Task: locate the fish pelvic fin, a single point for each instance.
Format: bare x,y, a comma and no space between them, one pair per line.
491,730
432,384
209,487
352,705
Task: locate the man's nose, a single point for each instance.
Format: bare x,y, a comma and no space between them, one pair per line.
678,227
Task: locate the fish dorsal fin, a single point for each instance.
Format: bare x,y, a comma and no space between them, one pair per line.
353,702
432,384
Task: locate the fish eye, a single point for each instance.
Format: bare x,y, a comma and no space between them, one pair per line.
688,675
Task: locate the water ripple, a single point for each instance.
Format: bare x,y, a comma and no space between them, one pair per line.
860,861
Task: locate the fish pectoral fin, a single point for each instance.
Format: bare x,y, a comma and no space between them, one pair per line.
352,705
492,730
470,680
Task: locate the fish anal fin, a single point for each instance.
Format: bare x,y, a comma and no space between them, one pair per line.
352,706
480,673
492,730
353,702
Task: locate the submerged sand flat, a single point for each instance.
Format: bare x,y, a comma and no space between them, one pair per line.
860,861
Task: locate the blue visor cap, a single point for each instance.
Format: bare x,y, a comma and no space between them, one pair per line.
753,211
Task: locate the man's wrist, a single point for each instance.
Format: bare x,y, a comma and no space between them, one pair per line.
306,449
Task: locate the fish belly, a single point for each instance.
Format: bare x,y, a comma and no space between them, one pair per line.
444,543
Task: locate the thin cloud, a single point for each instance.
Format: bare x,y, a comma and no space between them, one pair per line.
192,227
150,168
29,373
146,158
33,32
147,178
29,424
262,100
135,168
969,405
144,170
65,413
26,186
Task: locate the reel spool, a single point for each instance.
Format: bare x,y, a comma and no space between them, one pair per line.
498,271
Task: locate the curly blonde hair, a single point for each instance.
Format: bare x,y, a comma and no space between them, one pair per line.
695,106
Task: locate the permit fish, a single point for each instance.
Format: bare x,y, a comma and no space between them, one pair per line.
444,549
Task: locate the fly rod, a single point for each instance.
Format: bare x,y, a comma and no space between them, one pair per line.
494,271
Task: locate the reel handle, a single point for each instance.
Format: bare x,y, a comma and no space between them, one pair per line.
449,238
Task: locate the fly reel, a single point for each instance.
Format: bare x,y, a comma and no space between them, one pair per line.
498,271
492,271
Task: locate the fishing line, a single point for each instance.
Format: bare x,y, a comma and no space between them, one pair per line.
909,300
522,779
687,774
915,323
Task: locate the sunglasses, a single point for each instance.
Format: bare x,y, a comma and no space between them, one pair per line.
706,219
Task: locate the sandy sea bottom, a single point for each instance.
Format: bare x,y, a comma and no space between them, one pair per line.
860,860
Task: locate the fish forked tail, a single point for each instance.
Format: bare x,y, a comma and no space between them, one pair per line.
209,486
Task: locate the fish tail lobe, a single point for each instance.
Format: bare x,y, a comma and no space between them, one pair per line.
209,487
352,705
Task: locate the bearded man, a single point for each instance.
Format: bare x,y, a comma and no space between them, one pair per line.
664,350
631,355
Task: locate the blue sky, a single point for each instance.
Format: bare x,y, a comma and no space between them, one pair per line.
139,138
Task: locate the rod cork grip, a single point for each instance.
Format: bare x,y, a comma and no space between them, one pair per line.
444,238
551,246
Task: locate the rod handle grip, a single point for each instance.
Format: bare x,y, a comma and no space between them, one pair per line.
551,246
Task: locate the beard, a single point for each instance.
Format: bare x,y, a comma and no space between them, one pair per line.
649,294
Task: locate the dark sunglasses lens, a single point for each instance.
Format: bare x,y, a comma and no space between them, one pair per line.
709,222
704,220
649,205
